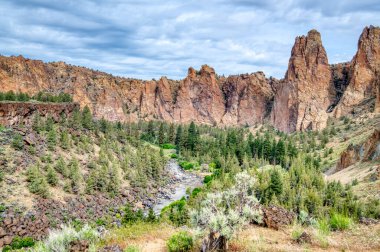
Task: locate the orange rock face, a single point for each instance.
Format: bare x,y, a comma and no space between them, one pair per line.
367,151
364,71
302,98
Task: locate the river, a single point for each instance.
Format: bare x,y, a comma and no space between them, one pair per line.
181,181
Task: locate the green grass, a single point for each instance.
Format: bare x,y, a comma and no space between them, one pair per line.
340,222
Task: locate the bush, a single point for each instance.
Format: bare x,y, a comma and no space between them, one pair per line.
323,226
207,179
195,192
186,165
132,248
59,240
168,146
176,212
37,182
18,142
180,242
19,243
340,222
173,155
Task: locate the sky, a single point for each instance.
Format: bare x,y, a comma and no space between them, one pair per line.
148,39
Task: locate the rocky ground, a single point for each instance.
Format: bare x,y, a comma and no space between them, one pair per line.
16,220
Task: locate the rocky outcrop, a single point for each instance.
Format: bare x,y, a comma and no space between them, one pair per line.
364,72
367,151
249,99
18,113
200,98
311,91
302,98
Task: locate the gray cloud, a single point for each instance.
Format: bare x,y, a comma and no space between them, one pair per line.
148,39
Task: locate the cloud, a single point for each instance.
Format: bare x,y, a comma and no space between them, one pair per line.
147,39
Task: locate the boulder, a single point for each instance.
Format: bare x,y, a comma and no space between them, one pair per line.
276,217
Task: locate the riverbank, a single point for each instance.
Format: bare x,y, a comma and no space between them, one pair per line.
49,214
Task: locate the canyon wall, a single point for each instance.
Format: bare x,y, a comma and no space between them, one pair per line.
311,91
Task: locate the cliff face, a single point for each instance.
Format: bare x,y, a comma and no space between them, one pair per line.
201,97
369,150
311,91
303,96
12,113
364,71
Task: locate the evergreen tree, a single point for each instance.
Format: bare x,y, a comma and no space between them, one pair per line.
171,134
65,140
178,138
18,142
161,134
87,122
150,132
52,139
51,176
151,216
275,186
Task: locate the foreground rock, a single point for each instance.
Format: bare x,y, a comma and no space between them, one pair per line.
276,217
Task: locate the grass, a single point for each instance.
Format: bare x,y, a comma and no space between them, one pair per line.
137,235
340,222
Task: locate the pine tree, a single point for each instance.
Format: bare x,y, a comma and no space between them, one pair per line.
37,123
65,140
52,139
151,216
178,138
76,120
171,134
150,132
51,176
275,183
161,134
18,142
87,122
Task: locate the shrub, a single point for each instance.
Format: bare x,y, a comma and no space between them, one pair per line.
195,192
132,248
168,146
340,222
176,212
180,242
207,179
173,155
37,182
323,226
19,243
59,240
296,232
186,165
18,142
51,176
1,176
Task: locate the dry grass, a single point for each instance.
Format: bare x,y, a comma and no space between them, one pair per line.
359,238
145,236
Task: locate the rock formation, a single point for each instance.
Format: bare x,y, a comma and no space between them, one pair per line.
311,91
12,113
303,96
364,71
367,151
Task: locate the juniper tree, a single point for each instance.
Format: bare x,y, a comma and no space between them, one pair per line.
224,213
